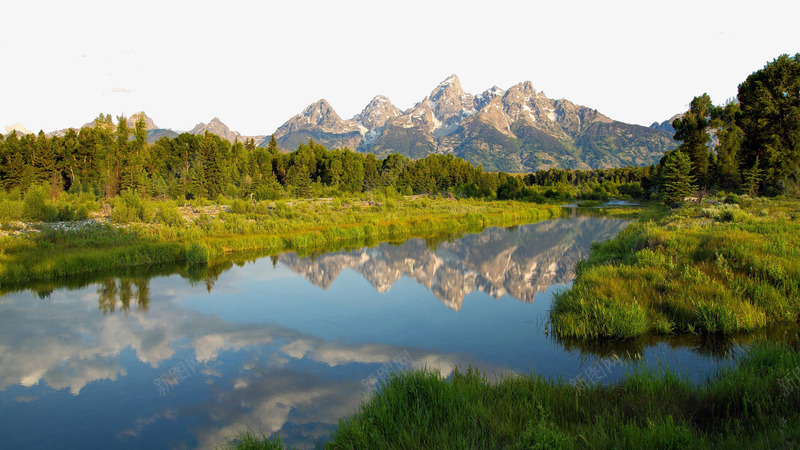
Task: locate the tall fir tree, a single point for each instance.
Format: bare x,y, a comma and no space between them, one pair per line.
693,131
770,121
678,181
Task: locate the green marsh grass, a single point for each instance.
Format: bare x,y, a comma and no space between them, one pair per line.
144,232
723,268
745,406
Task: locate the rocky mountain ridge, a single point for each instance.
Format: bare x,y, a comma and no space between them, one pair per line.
515,130
154,132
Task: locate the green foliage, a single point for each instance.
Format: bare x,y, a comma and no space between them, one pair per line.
678,180
770,120
241,207
693,131
543,434
299,225
168,214
35,207
742,406
721,269
130,208
752,178
197,253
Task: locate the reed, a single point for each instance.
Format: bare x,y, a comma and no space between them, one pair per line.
717,269
754,404
144,233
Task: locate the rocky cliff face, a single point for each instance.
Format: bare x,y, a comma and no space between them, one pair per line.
321,123
516,130
667,124
519,263
217,127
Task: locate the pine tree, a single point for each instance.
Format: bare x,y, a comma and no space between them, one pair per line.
752,178
678,181
692,131
770,120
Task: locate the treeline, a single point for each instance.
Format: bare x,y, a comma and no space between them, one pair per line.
750,144
109,159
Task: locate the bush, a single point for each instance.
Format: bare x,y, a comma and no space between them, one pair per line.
197,253
733,199
131,208
10,210
543,434
65,213
82,213
266,193
241,207
169,215
34,207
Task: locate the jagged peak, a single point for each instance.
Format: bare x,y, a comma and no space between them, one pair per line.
452,79
149,124
18,128
377,113
319,103
525,86
379,99
451,84
320,111
494,91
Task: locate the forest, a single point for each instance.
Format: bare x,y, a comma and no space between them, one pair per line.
107,159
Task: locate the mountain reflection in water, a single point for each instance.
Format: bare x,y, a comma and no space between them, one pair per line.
518,261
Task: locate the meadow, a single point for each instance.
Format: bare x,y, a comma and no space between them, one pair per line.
130,231
729,265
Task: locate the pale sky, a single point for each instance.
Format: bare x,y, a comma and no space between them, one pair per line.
256,64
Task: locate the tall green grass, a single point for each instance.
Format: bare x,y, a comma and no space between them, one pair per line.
714,269
747,406
144,233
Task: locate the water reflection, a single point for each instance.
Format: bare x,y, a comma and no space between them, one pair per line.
289,344
711,346
113,295
519,261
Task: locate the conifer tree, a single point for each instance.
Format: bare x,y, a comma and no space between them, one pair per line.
770,121
678,181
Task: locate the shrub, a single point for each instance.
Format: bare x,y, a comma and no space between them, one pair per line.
169,215
10,210
82,213
196,253
241,207
131,208
34,207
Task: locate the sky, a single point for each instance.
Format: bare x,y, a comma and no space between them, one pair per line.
255,64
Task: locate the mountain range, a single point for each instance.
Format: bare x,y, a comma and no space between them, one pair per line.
514,130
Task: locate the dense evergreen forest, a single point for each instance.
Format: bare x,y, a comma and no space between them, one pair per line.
750,145
109,159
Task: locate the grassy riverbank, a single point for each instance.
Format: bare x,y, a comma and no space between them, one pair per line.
142,233
720,267
753,405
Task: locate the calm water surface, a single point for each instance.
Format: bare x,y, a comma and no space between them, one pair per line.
292,344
